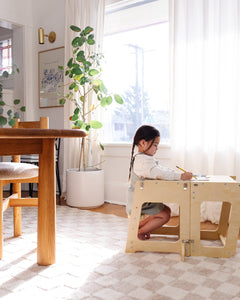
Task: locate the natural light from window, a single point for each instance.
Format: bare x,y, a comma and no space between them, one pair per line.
6,56
137,67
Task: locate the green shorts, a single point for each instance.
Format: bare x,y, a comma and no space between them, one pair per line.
149,208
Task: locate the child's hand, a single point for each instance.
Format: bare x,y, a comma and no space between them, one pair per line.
186,176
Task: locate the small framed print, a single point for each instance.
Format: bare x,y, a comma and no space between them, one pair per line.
50,77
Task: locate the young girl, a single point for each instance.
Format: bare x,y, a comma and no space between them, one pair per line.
143,165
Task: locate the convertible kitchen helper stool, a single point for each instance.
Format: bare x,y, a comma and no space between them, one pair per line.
189,195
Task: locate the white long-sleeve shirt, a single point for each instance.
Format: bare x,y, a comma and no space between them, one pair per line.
146,167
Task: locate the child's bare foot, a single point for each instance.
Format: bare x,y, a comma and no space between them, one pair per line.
148,236
143,236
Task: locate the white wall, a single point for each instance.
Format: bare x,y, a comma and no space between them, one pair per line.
50,16
16,12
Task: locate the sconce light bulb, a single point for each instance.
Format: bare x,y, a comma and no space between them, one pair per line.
40,35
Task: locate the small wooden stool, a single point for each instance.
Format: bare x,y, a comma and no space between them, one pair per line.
165,192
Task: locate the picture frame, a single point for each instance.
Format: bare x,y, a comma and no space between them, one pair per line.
50,77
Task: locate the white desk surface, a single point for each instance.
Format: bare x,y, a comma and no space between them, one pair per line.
214,178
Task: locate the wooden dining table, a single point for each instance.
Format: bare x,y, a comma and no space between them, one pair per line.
17,141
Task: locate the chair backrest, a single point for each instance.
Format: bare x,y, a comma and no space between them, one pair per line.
43,123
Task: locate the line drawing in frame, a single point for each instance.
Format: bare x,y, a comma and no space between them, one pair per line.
50,76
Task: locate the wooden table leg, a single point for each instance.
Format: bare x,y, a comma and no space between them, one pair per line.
1,220
46,250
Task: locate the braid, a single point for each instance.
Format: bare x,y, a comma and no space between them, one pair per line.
131,162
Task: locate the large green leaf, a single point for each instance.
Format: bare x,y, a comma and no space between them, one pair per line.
2,103
23,108
90,42
75,41
81,56
82,80
3,121
75,117
77,70
75,50
87,30
93,72
16,101
103,101
102,88
69,64
118,99
12,122
76,111
109,100
87,127
62,101
16,115
72,86
97,82
91,36
75,28
79,123
95,124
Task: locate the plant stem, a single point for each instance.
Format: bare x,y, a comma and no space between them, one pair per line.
81,154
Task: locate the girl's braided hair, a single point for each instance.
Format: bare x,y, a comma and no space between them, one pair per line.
147,133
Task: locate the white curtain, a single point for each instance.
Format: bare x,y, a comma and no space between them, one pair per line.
81,13
206,85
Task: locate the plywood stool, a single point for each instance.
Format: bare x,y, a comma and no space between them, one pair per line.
165,192
228,229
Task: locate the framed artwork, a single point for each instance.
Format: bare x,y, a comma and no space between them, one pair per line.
50,78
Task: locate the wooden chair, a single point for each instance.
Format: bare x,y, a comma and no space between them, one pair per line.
34,159
16,173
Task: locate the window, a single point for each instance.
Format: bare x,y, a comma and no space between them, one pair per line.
136,51
6,56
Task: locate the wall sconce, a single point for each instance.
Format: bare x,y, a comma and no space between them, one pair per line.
51,36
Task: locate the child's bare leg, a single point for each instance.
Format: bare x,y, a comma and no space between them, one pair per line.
144,221
153,222
141,224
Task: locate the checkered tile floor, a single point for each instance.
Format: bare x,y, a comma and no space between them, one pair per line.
92,264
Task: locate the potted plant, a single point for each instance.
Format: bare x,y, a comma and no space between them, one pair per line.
84,72
9,117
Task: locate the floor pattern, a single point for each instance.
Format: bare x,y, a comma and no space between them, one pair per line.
92,264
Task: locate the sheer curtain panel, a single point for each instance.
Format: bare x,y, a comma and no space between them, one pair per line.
80,13
206,85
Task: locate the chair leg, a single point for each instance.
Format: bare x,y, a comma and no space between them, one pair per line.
58,179
1,220
30,190
17,218
17,215
11,189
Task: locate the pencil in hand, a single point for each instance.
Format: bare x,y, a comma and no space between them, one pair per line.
184,171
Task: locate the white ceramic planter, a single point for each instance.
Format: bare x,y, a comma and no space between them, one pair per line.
85,189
